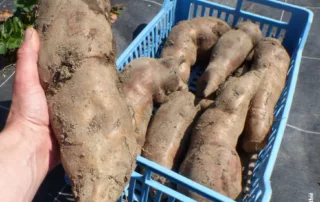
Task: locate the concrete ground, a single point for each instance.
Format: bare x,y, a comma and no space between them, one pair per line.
296,176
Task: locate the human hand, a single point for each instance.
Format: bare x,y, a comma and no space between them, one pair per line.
29,109
26,145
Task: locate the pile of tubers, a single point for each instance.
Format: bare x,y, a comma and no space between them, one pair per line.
103,119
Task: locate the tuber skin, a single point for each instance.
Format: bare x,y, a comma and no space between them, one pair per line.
228,54
193,40
270,53
242,70
88,113
169,129
204,104
245,67
168,133
147,81
212,159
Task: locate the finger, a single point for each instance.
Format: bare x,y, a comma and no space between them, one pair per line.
27,70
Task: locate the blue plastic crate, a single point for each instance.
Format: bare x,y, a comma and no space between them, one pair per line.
149,44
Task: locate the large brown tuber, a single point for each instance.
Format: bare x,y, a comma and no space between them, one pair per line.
271,54
88,113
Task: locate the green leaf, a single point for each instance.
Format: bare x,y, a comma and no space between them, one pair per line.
14,43
18,28
25,3
27,9
2,31
18,22
6,29
8,26
3,48
12,31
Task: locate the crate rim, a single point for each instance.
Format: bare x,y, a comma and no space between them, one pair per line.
288,103
278,4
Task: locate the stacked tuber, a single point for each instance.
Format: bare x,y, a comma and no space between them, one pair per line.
268,53
227,55
146,81
212,158
193,40
169,129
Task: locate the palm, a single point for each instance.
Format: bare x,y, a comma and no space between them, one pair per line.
29,104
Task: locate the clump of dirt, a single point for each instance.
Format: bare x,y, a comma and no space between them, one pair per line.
63,73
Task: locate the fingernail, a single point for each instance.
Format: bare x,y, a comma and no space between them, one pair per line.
28,34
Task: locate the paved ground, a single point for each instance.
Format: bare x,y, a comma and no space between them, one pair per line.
297,172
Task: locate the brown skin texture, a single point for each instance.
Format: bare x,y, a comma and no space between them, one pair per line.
212,159
272,54
88,112
228,54
204,104
193,40
245,67
242,70
168,133
147,81
169,130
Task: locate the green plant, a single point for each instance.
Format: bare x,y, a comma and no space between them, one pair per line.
12,29
117,8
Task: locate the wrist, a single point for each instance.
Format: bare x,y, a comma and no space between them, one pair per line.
22,164
27,142
25,156
36,136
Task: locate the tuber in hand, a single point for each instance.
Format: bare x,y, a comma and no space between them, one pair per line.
88,114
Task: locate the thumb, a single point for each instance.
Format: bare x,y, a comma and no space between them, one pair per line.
26,69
